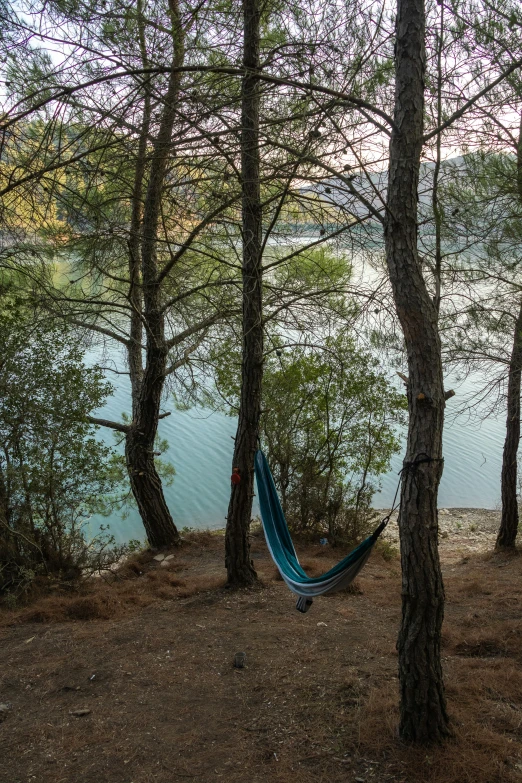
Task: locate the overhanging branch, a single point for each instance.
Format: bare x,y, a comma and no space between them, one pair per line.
463,109
65,91
201,325
113,425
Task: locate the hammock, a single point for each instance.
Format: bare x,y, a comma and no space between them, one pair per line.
283,552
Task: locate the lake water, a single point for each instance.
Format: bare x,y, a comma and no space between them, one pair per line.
201,450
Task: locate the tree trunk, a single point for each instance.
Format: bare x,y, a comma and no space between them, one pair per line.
139,448
240,571
509,521
135,294
146,484
423,715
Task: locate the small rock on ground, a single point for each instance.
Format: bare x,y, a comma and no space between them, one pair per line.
239,660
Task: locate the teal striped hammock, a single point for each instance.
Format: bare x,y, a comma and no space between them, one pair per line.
283,552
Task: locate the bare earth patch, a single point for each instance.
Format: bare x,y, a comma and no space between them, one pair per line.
462,531
131,680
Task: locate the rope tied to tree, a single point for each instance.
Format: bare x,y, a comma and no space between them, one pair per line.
407,466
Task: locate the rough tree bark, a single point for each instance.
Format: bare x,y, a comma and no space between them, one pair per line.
148,383
508,530
423,716
240,571
135,294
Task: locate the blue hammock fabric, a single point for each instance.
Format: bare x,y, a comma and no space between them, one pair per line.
283,552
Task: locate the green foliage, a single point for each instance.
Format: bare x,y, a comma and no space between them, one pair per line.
54,472
328,429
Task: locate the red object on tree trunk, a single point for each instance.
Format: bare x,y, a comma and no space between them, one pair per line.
235,478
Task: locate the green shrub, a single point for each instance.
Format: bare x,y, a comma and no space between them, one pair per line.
54,472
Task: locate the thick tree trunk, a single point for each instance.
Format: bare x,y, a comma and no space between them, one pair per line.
423,715
240,571
508,530
145,482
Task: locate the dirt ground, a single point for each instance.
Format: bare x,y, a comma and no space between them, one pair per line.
132,680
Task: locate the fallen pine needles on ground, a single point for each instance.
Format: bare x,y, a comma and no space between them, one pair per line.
130,677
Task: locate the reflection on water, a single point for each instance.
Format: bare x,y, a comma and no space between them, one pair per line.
201,449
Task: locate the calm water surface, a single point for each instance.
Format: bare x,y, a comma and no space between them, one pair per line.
201,450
